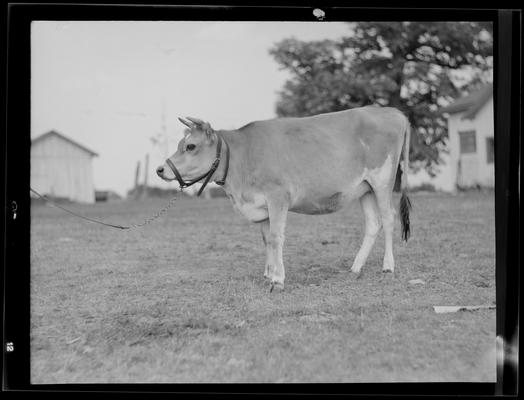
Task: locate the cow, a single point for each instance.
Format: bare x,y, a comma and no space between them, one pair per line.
308,165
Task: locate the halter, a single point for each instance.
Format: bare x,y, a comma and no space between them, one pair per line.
183,184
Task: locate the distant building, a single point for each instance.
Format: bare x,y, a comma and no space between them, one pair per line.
471,128
471,131
106,195
62,168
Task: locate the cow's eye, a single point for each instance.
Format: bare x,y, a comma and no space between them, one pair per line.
190,147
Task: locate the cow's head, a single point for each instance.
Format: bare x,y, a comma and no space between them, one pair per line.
195,153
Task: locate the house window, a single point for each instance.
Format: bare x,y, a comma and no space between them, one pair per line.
468,142
490,150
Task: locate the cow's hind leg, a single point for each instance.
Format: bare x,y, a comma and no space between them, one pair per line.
382,180
387,212
373,224
264,228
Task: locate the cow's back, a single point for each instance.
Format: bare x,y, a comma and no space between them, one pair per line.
326,140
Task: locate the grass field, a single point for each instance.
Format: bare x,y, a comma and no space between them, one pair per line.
184,299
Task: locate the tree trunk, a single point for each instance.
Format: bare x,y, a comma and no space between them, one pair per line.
395,100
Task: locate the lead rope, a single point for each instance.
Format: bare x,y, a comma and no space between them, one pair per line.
132,226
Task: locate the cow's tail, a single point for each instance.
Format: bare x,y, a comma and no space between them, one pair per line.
405,203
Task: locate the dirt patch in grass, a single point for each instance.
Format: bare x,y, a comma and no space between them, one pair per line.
184,299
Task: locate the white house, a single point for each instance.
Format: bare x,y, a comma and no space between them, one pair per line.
470,162
61,167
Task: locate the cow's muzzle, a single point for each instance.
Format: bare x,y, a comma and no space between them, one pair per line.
160,172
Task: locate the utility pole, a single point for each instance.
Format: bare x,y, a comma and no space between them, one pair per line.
146,173
164,129
137,174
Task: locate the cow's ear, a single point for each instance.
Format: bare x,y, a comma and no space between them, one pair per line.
206,128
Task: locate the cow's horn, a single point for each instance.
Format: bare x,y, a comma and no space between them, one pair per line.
186,123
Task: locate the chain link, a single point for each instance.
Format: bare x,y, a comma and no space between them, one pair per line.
155,216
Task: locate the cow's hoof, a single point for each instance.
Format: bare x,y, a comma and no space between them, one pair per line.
388,274
356,275
356,271
276,287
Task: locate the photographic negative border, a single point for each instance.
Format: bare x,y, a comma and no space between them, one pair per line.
17,262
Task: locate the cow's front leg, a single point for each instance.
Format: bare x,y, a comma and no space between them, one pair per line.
277,209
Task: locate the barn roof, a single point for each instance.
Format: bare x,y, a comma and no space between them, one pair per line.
470,103
55,133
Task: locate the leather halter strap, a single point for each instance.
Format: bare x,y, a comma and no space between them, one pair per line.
207,176
222,181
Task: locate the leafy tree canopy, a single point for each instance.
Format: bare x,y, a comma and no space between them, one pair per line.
417,67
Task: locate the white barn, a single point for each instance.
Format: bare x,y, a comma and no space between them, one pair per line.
471,128
61,167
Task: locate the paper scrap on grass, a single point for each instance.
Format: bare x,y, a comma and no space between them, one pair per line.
452,309
416,282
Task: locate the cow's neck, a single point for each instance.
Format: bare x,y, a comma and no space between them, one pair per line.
239,187
234,140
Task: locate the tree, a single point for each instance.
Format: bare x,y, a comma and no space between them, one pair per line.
417,67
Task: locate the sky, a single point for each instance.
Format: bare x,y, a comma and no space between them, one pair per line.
110,85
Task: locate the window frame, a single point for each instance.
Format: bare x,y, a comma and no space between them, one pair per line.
462,141
490,150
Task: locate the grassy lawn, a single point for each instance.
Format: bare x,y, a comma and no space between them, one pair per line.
184,299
